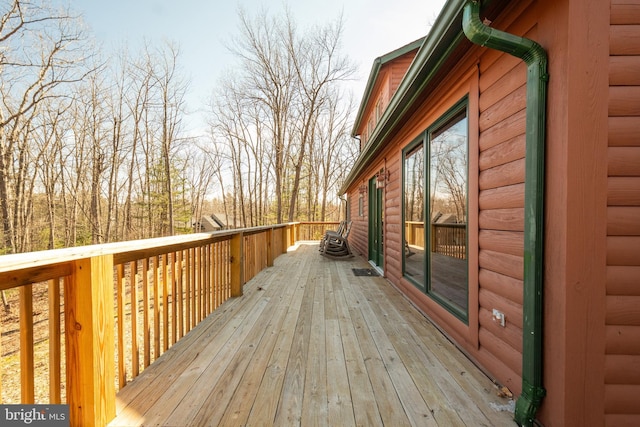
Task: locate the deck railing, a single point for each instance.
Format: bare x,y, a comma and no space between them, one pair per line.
113,309
446,238
314,230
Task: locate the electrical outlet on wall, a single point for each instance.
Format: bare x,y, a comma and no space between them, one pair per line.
498,317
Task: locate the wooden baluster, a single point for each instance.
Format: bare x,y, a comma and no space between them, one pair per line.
196,287
165,301
146,357
192,288
187,291
1,401
209,276
156,307
135,352
120,288
237,264
26,344
270,247
180,297
200,283
174,298
55,336
220,268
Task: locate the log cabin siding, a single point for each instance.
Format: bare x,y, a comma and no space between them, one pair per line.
622,351
502,103
399,68
496,278
592,205
393,247
359,223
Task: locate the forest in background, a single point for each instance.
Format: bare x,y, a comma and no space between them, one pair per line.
95,146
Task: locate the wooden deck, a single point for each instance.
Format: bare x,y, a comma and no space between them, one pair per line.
312,344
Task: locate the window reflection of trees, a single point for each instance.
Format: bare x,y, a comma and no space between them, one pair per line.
448,213
414,206
414,191
435,256
448,177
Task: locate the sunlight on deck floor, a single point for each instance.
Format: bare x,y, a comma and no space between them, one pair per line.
310,343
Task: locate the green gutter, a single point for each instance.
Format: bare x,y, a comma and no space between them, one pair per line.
535,58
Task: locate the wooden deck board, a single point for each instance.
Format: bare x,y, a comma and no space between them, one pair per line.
365,408
311,344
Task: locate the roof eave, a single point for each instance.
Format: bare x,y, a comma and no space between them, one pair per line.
445,35
373,77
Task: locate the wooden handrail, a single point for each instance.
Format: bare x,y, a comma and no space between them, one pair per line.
117,296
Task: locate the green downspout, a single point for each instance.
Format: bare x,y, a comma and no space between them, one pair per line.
536,59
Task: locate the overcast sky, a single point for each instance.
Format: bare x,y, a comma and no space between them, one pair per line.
202,27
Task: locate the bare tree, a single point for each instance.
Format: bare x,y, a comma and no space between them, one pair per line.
335,150
95,153
271,79
319,67
42,51
137,99
172,90
49,140
271,109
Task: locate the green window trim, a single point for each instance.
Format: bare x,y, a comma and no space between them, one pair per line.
435,186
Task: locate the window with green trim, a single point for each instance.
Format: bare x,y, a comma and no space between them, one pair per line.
435,181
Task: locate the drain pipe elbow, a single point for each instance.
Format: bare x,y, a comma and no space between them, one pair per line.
532,308
480,33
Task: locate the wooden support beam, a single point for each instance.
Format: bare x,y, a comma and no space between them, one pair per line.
237,264
89,324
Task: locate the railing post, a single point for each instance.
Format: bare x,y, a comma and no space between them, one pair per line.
89,326
237,264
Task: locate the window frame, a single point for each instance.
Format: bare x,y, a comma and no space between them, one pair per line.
425,139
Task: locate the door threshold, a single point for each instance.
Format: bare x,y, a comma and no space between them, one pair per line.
377,268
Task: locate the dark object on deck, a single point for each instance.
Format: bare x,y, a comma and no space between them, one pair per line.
364,272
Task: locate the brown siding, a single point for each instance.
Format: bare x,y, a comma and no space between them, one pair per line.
358,234
393,217
398,70
622,351
501,217
497,245
592,206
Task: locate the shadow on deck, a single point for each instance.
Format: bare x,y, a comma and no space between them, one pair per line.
310,343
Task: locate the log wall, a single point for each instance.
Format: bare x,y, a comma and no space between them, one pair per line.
622,348
592,206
